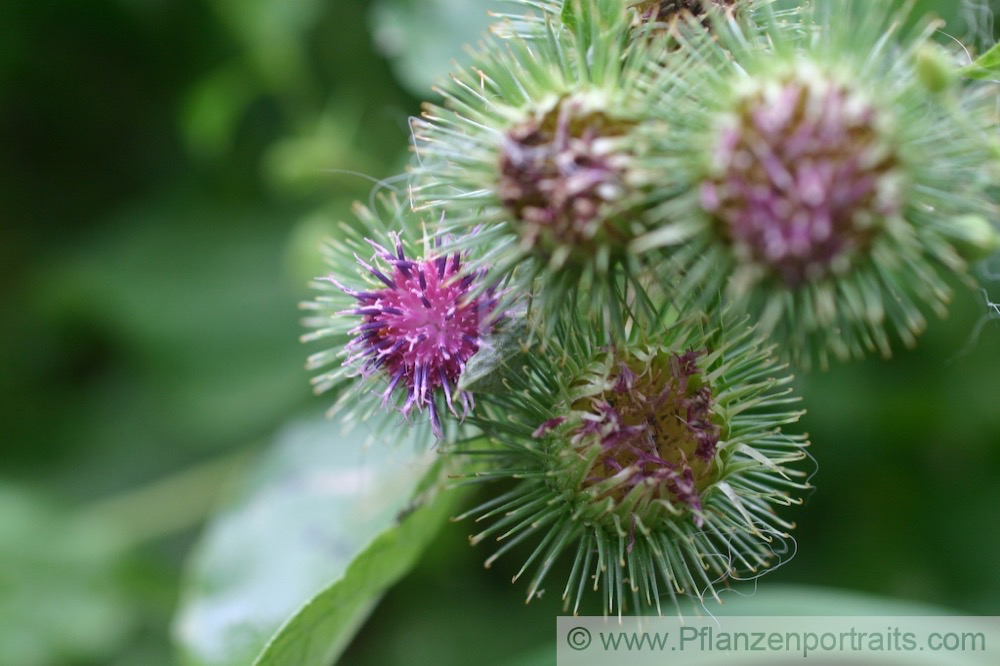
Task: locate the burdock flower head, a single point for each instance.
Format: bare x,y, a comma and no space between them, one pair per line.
835,189
656,463
560,171
536,141
803,172
652,417
409,319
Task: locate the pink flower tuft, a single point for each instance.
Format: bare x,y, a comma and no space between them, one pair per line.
655,423
420,328
804,177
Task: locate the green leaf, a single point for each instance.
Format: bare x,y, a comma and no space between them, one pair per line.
423,38
320,631
63,598
301,164
274,34
212,111
986,66
192,293
322,507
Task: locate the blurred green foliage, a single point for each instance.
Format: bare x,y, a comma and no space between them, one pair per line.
297,521
166,169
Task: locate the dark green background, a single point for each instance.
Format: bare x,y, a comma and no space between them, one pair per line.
166,170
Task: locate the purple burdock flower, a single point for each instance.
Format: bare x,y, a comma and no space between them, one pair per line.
419,328
559,172
802,177
655,423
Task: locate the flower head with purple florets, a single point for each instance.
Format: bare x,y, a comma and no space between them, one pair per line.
548,160
659,460
655,427
826,189
420,328
559,173
412,323
803,177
